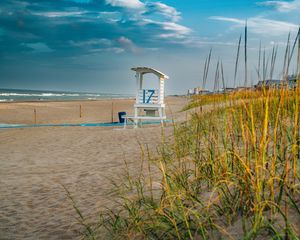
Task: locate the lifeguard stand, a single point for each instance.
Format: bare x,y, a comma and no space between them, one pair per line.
149,103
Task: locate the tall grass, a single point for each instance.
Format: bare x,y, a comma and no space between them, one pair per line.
230,172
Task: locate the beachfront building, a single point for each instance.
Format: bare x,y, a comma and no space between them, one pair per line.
269,84
291,83
190,92
149,103
198,91
228,89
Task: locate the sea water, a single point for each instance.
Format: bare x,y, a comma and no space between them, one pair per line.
11,95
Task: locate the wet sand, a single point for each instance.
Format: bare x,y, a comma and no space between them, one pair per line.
36,162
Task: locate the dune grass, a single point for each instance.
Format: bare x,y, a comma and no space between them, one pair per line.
232,172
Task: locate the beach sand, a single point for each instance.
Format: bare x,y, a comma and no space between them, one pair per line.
35,163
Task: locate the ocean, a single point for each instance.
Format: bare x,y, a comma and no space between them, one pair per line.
12,95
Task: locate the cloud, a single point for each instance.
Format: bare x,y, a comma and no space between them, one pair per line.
176,28
282,6
60,14
261,25
131,4
128,44
79,27
165,10
38,47
170,29
110,17
80,1
116,50
91,42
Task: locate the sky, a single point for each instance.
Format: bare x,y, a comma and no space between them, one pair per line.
90,45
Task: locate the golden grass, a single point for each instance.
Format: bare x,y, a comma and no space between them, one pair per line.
233,168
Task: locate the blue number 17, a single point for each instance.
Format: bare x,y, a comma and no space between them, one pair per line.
150,96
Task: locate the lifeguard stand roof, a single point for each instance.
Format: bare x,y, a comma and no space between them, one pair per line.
144,70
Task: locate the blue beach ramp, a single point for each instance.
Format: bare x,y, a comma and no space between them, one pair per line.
116,124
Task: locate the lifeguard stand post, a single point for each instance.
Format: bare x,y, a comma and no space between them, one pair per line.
149,103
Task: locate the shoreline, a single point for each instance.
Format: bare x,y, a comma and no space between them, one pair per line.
83,100
66,100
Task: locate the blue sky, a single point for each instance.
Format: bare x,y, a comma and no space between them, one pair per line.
90,45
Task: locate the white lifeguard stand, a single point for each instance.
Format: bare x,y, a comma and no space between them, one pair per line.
149,103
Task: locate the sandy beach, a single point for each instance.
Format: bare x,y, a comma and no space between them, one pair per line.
36,162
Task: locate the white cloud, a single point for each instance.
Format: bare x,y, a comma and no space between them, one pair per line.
282,6
95,42
80,1
110,17
173,30
38,47
165,10
199,42
153,18
133,4
115,50
170,35
83,16
110,49
150,7
174,27
60,14
227,19
128,44
261,25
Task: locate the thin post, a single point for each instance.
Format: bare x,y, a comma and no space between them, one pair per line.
80,111
112,111
216,83
207,68
259,63
294,45
204,73
223,79
237,61
34,116
246,65
265,66
286,58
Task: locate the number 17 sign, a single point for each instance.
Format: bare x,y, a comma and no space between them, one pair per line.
149,96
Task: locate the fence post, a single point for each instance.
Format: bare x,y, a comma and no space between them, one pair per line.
34,116
112,111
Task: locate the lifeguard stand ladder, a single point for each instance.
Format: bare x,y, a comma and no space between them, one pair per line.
149,103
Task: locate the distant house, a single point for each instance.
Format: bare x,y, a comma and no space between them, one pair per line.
269,84
291,82
190,91
228,89
198,91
